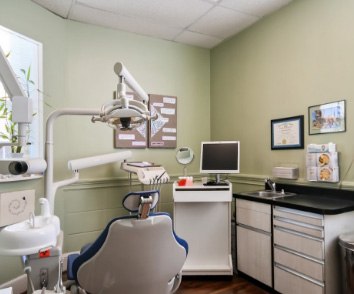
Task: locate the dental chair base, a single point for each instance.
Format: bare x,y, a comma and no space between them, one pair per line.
45,268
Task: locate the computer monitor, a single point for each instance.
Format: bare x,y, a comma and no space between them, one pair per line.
220,157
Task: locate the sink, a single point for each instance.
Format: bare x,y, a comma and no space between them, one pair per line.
29,236
268,194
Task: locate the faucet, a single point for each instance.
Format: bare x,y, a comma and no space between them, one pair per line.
270,184
31,220
45,209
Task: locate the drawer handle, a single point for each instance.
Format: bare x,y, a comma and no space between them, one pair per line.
254,229
300,275
297,234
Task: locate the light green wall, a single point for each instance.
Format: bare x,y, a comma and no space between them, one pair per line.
300,56
297,57
78,72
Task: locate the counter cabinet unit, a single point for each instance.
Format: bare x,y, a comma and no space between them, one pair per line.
306,251
296,249
202,216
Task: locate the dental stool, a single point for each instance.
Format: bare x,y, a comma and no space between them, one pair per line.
135,254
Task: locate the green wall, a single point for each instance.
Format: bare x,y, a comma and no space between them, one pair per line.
295,58
78,72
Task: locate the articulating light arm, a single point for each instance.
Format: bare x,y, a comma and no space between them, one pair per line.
21,105
124,112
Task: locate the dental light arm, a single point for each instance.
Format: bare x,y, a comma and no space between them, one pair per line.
123,73
121,111
21,105
124,112
92,161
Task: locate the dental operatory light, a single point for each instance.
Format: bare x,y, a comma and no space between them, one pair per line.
124,112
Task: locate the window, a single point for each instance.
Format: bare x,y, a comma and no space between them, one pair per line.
25,57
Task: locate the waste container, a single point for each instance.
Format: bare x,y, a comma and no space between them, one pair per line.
346,243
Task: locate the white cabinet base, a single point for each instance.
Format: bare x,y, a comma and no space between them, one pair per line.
202,216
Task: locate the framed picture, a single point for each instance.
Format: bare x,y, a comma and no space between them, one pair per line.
327,118
287,133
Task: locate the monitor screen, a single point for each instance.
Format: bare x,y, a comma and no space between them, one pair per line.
220,157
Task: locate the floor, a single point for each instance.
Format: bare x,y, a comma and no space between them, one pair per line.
218,285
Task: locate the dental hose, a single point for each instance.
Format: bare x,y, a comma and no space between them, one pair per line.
27,269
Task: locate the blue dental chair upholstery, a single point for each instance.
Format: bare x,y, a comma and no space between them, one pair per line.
135,254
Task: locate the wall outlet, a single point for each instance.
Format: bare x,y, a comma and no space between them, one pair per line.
16,206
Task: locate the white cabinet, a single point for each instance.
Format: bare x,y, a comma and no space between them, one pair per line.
202,216
254,244
306,253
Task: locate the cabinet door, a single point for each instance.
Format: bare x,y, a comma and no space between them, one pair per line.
254,254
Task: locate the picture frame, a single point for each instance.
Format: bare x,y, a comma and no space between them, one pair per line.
287,133
327,118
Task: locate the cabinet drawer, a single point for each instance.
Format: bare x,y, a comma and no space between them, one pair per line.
203,195
298,215
302,264
298,242
253,214
311,230
288,282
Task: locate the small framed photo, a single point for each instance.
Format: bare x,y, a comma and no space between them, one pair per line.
327,118
287,133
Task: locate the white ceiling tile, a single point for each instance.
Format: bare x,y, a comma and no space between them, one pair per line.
202,23
222,22
196,39
111,20
60,8
179,13
255,7
105,5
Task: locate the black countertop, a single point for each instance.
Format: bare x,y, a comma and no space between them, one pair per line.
312,199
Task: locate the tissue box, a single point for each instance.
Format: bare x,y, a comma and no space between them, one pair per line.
285,172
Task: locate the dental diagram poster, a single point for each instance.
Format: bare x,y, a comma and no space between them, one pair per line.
158,133
163,129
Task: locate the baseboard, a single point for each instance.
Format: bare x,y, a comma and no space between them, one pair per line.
19,284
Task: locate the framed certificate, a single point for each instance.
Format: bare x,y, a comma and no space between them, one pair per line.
287,133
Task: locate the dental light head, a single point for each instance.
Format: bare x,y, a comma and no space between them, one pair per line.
126,111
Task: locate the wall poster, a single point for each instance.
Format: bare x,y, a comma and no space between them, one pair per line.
163,129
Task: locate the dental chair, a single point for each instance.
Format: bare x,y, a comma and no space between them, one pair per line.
135,254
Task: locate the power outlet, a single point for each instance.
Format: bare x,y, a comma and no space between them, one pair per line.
16,206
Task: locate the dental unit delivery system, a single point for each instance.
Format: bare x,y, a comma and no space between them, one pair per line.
121,113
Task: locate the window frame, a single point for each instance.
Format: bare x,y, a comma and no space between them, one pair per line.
36,149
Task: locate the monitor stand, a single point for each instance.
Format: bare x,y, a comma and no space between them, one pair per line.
217,182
